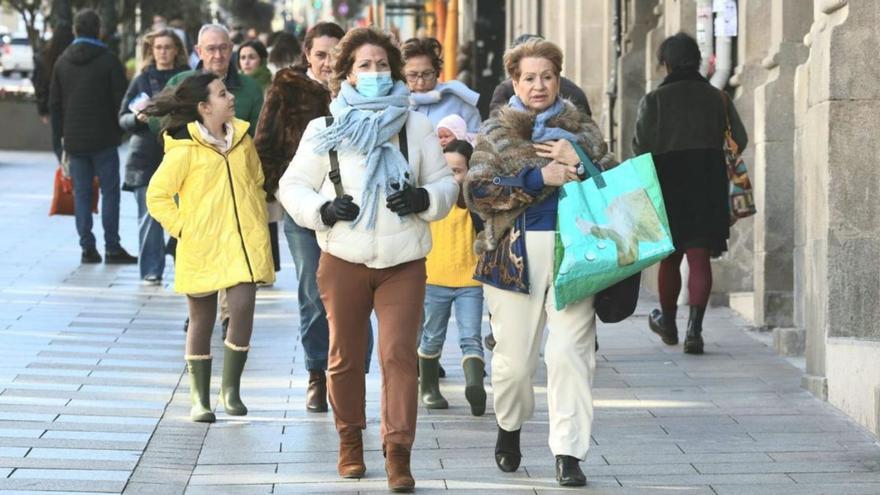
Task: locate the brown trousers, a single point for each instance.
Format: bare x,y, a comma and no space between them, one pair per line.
350,292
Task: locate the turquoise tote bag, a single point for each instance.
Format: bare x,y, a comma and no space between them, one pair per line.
610,226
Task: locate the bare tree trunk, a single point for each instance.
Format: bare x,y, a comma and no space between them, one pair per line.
62,13
109,20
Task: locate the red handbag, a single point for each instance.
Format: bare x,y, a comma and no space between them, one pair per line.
62,199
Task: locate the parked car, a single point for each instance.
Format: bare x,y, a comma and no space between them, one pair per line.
16,55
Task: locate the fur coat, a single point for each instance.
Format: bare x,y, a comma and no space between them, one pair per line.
293,100
503,151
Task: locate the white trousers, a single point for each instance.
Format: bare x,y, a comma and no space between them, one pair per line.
518,322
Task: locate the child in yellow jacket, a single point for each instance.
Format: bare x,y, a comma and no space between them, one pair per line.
221,225
450,266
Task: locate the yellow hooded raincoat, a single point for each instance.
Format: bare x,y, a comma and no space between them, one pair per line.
221,219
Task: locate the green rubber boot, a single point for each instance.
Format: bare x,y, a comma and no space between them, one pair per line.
200,389
429,383
230,385
474,371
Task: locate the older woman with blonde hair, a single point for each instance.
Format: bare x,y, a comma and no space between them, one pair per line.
369,183
164,57
523,155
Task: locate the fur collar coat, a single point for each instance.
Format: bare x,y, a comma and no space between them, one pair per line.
293,100
504,151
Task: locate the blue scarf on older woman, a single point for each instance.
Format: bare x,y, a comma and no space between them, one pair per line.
366,125
540,132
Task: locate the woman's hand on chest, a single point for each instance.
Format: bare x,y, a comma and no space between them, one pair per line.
560,151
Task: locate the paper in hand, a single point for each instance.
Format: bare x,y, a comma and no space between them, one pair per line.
139,103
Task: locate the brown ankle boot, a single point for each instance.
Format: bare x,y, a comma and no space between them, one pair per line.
316,395
351,454
400,478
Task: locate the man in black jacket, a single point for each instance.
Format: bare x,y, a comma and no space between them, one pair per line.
567,88
88,83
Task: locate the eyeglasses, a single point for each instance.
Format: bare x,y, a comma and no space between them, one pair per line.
212,49
428,75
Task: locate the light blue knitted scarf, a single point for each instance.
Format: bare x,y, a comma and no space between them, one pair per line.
540,131
365,125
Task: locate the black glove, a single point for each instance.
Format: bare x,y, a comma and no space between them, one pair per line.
339,209
408,201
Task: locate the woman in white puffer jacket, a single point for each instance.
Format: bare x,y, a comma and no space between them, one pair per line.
372,227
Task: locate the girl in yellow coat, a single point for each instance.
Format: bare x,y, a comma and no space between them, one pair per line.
220,223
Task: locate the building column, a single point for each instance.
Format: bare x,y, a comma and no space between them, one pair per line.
773,171
633,70
733,273
838,216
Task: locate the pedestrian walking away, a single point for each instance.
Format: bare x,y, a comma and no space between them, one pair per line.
88,83
297,96
368,184
223,242
165,57
450,268
44,65
523,155
682,123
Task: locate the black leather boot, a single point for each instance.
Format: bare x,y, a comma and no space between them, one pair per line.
663,324
693,341
568,471
507,453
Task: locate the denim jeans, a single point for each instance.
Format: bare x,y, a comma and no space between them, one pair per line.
151,237
83,167
314,333
439,302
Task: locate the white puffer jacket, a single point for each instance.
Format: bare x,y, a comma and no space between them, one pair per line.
305,187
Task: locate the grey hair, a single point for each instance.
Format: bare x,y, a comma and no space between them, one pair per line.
213,27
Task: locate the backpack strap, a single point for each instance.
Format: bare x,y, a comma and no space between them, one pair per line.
335,178
404,145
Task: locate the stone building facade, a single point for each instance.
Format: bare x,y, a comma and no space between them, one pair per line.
808,264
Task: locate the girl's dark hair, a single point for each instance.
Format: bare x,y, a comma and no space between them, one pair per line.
62,37
179,105
680,53
258,47
461,147
329,29
355,39
424,47
285,50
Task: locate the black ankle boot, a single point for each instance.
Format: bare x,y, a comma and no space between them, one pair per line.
568,471
507,453
693,341
663,324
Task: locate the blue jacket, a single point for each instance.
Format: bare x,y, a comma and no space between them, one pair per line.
449,98
144,149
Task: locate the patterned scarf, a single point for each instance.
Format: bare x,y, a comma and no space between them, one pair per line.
365,125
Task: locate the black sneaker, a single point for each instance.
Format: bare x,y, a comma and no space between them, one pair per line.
90,255
120,257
